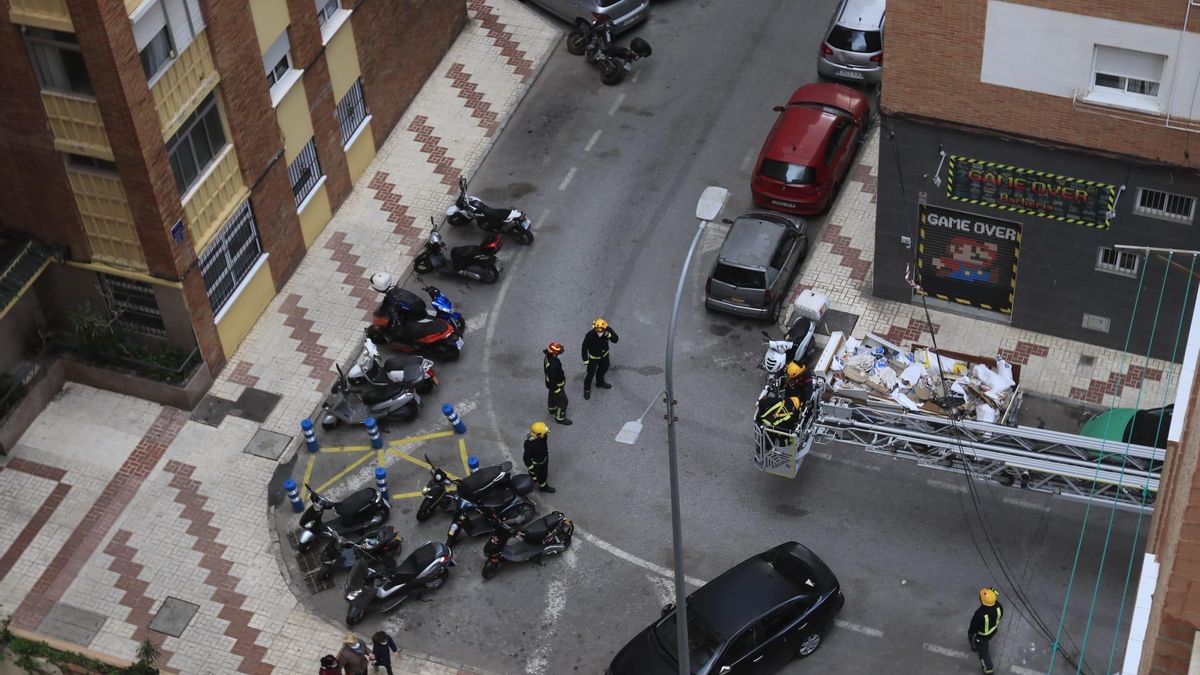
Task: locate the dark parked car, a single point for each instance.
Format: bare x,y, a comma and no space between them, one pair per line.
810,149
754,618
761,254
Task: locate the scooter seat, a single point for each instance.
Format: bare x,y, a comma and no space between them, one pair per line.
411,365
464,253
414,329
356,502
404,301
537,532
417,561
477,481
373,395
494,215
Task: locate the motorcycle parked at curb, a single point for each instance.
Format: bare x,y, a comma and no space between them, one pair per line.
379,587
385,401
547,536
471,209
473,262
342,553
372,369
595,42
357,513
402,302
492,488
435,338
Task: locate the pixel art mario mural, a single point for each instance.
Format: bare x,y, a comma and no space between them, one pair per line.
968,259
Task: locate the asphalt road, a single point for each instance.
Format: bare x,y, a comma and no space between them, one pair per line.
610,176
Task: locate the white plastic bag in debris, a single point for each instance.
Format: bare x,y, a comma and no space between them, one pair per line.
1004,369
985,413
994,384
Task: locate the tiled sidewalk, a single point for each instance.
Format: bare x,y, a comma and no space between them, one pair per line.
840,266
114,504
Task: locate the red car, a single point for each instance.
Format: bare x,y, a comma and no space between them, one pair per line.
810,149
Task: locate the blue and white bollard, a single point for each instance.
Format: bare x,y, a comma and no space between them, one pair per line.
293,493
373,433
381,480
310,436
448,411
472,463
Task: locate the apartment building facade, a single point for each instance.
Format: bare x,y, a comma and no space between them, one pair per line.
1022,142
178,157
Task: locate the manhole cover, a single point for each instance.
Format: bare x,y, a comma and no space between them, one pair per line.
835,320
211,410
267,444
72,624
255,404
173,616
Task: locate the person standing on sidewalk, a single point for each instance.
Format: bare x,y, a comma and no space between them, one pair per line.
382,646
329,666
556,383
353,656
983,627
595,355
537,455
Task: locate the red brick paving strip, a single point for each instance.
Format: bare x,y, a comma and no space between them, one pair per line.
1023,351
241,374
83,542
870,182
1116,383
503,39
480,109
47,509
354,275
135,598
385,192
432,145
910,333
320,367
852,258
213,559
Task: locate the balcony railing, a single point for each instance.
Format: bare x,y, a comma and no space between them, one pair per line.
184,84
107,220
77,125
209,204
50,14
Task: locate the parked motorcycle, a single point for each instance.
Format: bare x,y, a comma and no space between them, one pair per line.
435,338
494,488
379,587
357,513
471,209
372,369
404,303
548,536
595,41
473,262
341,553
350,403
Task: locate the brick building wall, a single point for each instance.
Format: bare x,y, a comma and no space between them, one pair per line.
934,56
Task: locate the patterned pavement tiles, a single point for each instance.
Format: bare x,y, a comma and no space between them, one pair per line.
841,266
115,504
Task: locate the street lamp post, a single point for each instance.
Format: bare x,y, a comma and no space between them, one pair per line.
707,210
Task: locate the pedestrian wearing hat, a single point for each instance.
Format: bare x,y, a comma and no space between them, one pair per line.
353,656
382,646
556,383
983,627
595,355
537,455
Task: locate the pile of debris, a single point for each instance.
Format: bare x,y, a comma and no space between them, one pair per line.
950,384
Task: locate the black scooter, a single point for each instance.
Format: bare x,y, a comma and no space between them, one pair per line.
373,586
340,553
595,42
471,209
489,489
548,536
357,513
473,262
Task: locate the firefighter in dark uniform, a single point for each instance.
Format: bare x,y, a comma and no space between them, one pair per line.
537,455
799,382
595,355
983,627
780,414
556,383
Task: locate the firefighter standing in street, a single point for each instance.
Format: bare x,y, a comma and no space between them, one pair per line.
595,355
983,626
537,455
556,383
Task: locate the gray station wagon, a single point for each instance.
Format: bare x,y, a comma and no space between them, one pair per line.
624,13
761,254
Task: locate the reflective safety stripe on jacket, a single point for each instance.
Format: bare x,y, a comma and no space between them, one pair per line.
991,624
776,414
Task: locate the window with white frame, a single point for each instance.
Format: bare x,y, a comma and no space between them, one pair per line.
278,60
58,61
197,143
229,258
351,111
326,9
162,30
1165,205
1126,77
133,304
1116,261
305,171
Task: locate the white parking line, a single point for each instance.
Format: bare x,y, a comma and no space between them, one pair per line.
1021,670
848,462
567,180
1022,504
476,322
635,76
595,137
541,219
873,632
556,601
747,159
946,651
631,558
943,485
616,104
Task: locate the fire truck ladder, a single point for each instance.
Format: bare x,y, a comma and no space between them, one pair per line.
1066,465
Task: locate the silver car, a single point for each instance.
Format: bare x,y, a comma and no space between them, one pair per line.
624,13
754,270
853,46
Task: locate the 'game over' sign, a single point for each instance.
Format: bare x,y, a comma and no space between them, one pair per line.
1011,188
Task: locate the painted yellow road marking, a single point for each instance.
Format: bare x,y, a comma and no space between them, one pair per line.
462,450
406,495
346,448
418,439
341,474
312,459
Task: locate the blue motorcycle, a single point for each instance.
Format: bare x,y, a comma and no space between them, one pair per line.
405,303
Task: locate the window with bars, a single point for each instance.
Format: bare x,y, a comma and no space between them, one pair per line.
305,171
196,144
58,61
133,304
229,258
1165,205
351,111
1116,261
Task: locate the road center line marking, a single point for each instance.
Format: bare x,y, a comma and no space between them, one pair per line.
631,558
595,137
556,601
616,104
946,651
541,219
635,76
1021,503
747,159
567,179
873,632
1021,670
943,485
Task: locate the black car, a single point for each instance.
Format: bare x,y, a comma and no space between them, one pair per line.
753,618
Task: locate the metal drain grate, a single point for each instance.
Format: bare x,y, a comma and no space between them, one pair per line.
315,584
309,564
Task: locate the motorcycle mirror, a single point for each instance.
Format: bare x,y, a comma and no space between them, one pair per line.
462,183
778,108
666,609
